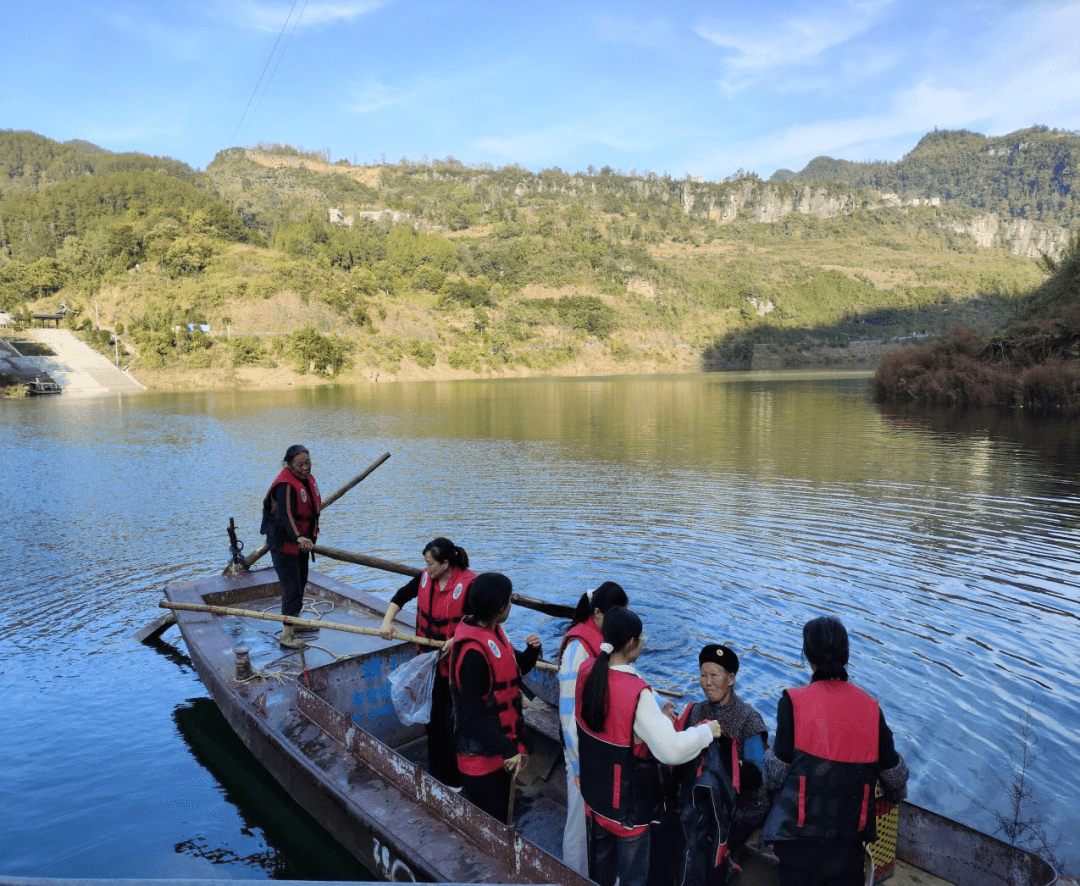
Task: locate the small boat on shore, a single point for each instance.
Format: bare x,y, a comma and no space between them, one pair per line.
321,721
39,388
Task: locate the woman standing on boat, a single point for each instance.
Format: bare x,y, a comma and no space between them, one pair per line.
441,594
581,643
622,733
832,747
290,522
486,685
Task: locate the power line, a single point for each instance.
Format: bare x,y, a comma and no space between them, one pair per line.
281,55
267,65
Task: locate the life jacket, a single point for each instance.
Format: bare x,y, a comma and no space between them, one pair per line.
829,789
620,779
502,702
587,633
706,809
307,508
439,612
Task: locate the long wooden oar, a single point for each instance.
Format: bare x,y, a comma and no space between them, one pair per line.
329,500
315,623
559,610
296,622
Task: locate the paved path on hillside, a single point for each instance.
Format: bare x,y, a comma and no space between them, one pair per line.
77,367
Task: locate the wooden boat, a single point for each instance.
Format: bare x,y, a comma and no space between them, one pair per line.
321,721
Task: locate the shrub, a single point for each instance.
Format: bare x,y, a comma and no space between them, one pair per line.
311,351
423,352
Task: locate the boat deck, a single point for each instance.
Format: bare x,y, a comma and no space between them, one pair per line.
321,721
311,701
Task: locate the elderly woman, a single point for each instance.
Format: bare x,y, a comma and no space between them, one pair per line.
749,738
290,522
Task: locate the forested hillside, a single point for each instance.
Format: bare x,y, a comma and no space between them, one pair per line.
1030,174
426,268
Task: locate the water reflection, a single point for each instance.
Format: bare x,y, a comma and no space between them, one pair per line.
731,508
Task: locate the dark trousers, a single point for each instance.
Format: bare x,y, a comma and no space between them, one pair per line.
292,573
490,792
626,858
793,876
442,758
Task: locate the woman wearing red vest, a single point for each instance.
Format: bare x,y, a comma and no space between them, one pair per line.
622,735
485,680
290,523
441,594
581,643
832,748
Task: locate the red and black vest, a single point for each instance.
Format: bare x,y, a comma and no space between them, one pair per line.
502,702
620,779
587,633
439,612
307,507
828,793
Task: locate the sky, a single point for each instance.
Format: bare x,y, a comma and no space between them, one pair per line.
683,88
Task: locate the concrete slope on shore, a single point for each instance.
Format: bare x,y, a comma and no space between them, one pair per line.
77,367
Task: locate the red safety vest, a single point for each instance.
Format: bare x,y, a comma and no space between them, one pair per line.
829,789
503,699
307,507
587,633
439,612
620,780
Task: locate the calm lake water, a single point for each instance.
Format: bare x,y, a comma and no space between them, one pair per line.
733,508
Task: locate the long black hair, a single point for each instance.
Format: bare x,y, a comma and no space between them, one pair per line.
621,627
825,645
443,550
606,596
488,595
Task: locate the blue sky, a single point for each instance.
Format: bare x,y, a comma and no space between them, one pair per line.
677,87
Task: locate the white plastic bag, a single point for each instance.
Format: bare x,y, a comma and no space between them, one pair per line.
410,688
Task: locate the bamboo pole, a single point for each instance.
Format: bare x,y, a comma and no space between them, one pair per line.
296,622
559,610
260,551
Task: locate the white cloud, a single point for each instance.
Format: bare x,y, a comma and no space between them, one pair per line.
274,16
770,45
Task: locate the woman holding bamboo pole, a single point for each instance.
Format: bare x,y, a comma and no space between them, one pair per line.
441,592
290,522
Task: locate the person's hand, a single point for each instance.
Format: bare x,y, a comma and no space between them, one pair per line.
715,728
446,647
669,710
533,640
305,543
386,629
515,764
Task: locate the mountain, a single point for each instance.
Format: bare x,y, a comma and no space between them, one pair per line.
407,270
1030,174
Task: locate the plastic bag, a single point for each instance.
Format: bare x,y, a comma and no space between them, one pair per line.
410,688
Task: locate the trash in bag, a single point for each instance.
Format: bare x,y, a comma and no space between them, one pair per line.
410,688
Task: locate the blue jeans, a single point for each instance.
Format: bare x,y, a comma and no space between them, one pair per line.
624,857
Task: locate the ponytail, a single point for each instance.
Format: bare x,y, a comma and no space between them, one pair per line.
443,550
621,627
606,596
